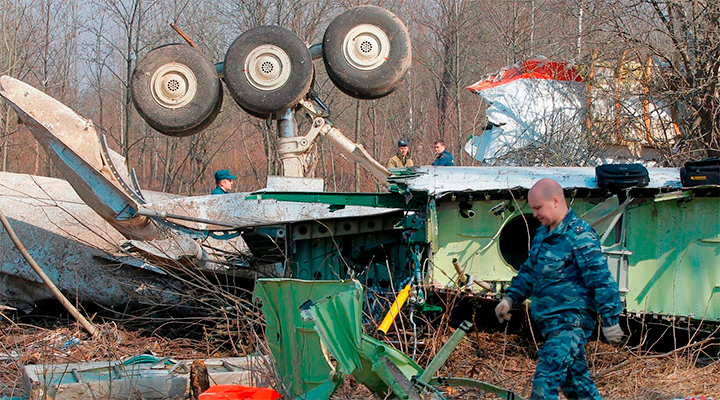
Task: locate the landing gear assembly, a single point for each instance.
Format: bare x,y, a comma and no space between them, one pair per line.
269,72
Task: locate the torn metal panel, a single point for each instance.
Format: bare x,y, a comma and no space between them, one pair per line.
76,149
529,102
139,377
243,210
301,363
337,319
250,227
76,248
331,324
182,251
539,102
99,178
437,181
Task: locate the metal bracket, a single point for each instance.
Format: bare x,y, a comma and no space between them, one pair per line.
292,149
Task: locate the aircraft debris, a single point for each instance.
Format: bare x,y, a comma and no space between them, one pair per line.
138,377
167,234
306,319
547,104
76,247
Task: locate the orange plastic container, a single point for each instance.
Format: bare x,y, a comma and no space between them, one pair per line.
237,392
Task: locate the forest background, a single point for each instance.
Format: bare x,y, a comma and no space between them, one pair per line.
83,53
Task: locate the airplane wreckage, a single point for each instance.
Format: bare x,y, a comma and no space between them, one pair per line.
435,229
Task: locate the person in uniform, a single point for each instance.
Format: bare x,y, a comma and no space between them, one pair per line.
402,157
570,283
223,182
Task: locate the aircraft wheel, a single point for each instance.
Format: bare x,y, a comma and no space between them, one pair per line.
367,51
268,69
255,114
176,90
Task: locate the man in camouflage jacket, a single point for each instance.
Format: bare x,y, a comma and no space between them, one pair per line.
568,279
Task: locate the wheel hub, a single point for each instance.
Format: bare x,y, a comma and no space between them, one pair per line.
267,67
173,85
366,47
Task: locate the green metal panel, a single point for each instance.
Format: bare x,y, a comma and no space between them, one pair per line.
369,248
293,343
475,242
472,242
334,315
674,246
338,321
385,200
674,268
377,365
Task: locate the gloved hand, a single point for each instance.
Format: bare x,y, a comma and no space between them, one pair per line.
502,311
613,334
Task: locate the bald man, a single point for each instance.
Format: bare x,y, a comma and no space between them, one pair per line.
568,279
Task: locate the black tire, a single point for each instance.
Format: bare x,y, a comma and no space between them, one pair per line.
176,90
268,69
367,51
255,114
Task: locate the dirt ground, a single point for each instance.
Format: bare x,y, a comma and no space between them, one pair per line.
495,357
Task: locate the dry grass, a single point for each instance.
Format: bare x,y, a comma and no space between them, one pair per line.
30,344
505,360
620,373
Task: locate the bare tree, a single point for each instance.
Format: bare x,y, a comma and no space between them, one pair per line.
447,45
455,42
683,36
16,54
121,27
56,64
38,43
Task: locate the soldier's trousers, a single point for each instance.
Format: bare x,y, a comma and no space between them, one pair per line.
562,364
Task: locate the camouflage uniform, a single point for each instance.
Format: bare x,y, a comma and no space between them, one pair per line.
568,278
